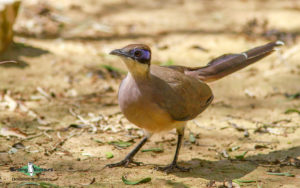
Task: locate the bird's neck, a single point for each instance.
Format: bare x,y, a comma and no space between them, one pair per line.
139,76
138,71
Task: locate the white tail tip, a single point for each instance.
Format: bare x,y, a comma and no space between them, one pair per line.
279,43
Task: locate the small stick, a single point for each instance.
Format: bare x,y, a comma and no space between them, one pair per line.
46,134
59,144
8,61
86,122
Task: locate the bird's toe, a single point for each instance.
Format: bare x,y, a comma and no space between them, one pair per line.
173,168
125,163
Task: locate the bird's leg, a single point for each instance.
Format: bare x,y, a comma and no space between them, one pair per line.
173,166
129,158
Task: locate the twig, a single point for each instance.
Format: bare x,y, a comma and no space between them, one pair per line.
8,61
43,92
59,144
34,136
58,135
46,134
196,123
94,128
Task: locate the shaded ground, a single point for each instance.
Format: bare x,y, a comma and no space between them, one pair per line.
61,78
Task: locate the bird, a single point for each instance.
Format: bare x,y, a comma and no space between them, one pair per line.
161,98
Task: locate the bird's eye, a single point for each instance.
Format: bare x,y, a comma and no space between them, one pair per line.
137,53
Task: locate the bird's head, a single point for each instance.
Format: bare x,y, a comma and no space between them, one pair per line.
137,58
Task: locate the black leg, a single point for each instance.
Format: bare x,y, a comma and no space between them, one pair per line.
129,158
179,142
173,166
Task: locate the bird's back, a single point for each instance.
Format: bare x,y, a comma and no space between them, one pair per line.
186,96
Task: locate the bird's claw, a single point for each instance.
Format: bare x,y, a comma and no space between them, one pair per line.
125,162
172,168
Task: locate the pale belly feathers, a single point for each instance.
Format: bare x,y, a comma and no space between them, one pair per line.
140,110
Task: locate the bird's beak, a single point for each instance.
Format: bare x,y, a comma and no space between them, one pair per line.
119,52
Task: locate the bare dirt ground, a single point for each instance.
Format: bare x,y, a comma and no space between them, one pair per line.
65,80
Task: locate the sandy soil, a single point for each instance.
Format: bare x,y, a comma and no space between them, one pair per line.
61,80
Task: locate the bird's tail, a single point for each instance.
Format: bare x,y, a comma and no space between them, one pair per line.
229,63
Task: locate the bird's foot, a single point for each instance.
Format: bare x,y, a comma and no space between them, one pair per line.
173,167
125,162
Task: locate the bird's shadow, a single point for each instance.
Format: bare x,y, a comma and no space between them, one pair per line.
16,51
227,170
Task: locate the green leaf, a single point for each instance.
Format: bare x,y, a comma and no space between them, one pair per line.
98,141
144,180
287,174
241,157
157,150
121,144
192,138
243,181
28,183
293,96
47,185
109,155
41,184
292,110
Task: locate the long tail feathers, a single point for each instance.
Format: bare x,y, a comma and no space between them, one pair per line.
229,63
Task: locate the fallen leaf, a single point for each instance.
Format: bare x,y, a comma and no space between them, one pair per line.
18,145
128,182
76,126
40,184
234,148
12,151
258,146
241,157
292,110
109,155
225,154
192,138
238,128
287,174
198,47
98,141
293,96
86,154
276,131
156,150
11,103
8,131
121,144
243,181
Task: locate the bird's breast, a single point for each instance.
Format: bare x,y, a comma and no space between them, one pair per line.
136,103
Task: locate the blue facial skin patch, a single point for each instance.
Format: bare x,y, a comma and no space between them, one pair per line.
144,56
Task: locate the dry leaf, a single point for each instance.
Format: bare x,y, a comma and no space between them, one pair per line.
7,131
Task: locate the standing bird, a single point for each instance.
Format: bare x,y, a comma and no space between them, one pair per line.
161,98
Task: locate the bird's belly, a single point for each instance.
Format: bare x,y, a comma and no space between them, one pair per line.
147,115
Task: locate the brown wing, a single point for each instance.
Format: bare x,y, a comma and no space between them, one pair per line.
184,97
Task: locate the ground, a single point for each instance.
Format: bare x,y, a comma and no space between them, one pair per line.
62,93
